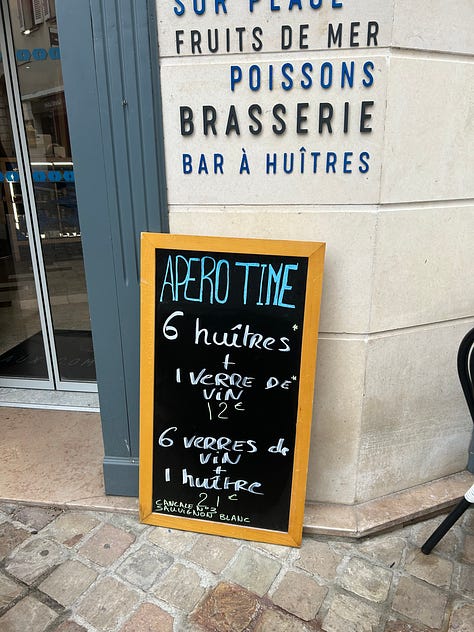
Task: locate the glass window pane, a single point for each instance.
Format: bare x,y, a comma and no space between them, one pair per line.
35,36
22,352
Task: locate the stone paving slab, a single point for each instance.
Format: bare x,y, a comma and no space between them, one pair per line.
107,545
213,555
149,618
468,551
318,558
348,614
28,614
432,568
144,566
403,626
86,571
273,620
468,522
300,595
366,580
35,558
181,587
70,626
107,603
36,518
10,538
462,618
253,570
418,601
9,590
68,582
227,608
386,549
71,528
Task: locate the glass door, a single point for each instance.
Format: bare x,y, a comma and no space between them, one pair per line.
45,332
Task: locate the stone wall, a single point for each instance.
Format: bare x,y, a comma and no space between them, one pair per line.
399,289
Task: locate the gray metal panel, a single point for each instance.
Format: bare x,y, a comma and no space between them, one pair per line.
111,85
121,476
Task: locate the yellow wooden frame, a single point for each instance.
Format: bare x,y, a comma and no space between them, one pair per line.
314,251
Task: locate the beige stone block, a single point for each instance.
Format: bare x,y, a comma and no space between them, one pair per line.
9,590
270,24
348,232
319,559
33,473
466,579
272,620
300,595
108,602
37,557
10,538
28,614
212,552
449,543
275,550
332,474
36,518
429,141
70,626
415,423
181,588
226,608
366,580
68,582
423,266
293,157
462,618
434,25
70,528
348,613
419,601
468,552
432,569
384,549
145,566
172,541
107,545
411,504
147,618
253,571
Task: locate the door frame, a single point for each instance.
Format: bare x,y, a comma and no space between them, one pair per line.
111,82
54,381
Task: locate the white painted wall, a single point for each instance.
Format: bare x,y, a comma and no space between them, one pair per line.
399,289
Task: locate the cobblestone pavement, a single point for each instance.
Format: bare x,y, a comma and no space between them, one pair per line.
71,571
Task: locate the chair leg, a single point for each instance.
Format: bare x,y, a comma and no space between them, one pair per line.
470,464
448,522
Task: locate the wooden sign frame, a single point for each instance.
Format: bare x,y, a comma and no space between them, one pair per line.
313,254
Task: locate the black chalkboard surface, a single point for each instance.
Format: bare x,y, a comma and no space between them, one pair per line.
229,334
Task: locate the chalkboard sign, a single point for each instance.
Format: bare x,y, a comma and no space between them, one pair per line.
228,355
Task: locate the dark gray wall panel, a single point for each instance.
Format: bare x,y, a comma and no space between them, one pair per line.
109,56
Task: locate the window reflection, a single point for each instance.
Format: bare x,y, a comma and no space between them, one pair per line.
41,92
22,352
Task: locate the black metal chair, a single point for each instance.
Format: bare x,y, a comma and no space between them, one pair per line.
466,377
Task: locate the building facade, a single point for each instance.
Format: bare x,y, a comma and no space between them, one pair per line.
337,121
